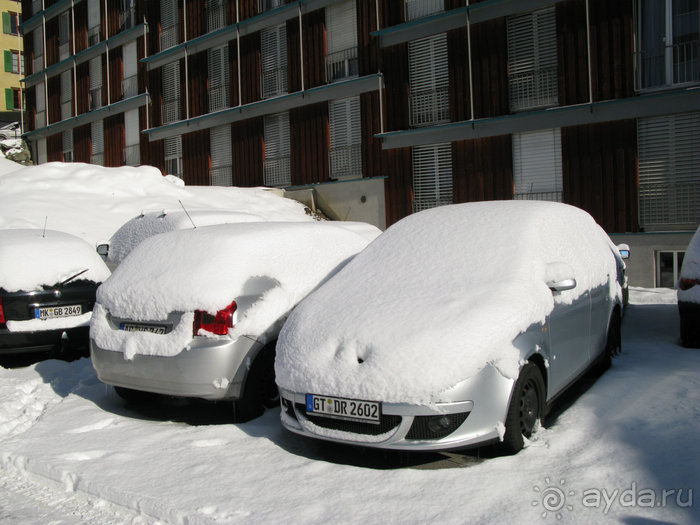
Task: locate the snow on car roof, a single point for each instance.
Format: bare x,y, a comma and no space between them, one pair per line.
92,201
30,258
206,268
437,297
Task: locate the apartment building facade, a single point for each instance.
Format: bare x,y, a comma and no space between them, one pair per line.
380,108
12,61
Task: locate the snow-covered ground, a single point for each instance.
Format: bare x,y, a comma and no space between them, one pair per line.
624,447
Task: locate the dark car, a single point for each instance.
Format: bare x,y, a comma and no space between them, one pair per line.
689,294
48,282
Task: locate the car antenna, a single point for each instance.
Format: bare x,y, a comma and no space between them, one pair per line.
188,215
43,233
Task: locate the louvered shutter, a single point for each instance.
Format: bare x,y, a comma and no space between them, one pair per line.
168,21
537,167
277,150
93,14
273,44
221,159
428,80
66,94
669,171
341,38
218,78
432,176
171,92
532,60
68,146
173,155
98,148
345,138
216,14
420,8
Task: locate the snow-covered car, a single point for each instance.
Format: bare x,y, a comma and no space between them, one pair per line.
457,327
10,131
689,294
196,313
48,281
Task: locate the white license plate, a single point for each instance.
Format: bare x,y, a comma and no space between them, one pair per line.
343,408
150,328
51,312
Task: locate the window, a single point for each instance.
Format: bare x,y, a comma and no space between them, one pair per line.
277,150
173,156
537,172
273,42
13,99
668,42
428,80
14,61
668,268
341,36
218,78
221,159
432,176
669,171
127,14
532,60
68,146
9,23
98,145
345,153
94,28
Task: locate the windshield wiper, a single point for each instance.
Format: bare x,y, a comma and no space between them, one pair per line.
71,278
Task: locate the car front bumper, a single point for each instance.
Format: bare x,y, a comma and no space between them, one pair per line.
476,419
213,369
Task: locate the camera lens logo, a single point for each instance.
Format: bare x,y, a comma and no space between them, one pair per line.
553,498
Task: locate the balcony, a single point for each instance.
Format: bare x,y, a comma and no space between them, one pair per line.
342,64
130,86
346,161
218,98
170,111
668,66
221,176
277,171
132,155
274,82
429,107
533,89
216,17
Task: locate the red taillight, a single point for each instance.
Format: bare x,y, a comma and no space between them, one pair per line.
216,324
687,284
2,313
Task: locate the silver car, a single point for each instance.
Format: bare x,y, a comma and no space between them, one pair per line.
460,326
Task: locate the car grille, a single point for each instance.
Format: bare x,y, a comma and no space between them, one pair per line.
420,429
386,423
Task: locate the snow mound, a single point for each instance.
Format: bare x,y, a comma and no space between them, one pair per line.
691,270
437,297
30,258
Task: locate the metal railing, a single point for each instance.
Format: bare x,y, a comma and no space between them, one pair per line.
221,176
669,65
132,155
130,86
170,111
429,107
216,17
274,82
533,89
424,204
345,161
277,171
94,36
168,37
664,205
342,64
218,98
95,98
553,196
97,158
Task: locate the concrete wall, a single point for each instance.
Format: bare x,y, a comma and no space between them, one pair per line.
641,266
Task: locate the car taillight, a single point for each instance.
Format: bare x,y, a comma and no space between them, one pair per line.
216,324
686,284
2,313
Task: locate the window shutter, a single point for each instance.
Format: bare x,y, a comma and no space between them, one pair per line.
277,150
429,80
8,61
432,176
537,166
97,130
168,20
218,78
9,99
345,137
221,158
341,27
669,171
420,8
6,23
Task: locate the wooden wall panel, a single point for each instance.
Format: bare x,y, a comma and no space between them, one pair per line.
246,9
53,89
114,140
247,145
367,48
152,153
314,49
80,28
116,74
250,70
482,169
195,158
82,143
490,68
458,75
82,76
600,172
309,140
51,37
54,148
399,183
197,80
196,18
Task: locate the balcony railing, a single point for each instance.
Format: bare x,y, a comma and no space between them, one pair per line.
274,82
666,66
218,98
95,98
266,5
221,176
429,107
132,155
342,64
554,196
66,109
93,36
170,111
216,17
97,158
533,89
420,8
346,161
277,171
168,37
130,86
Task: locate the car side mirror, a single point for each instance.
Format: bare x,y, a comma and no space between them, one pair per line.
624,250
103,250
560,277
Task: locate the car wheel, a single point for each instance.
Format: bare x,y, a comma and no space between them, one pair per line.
134,396
613,344
260,390
525,409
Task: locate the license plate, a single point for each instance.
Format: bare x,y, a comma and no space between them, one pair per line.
150,328
51,312
341,408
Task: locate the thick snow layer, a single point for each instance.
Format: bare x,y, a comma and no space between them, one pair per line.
691,270
30,258
92,202
206,268
71,446
437,297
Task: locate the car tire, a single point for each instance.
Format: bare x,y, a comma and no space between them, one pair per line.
135,397
613,343
525,410
259,390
